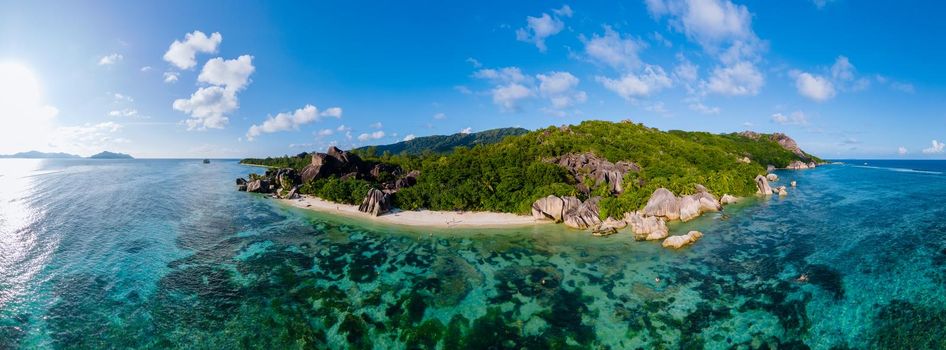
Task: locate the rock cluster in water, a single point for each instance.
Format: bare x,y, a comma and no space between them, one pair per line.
284,183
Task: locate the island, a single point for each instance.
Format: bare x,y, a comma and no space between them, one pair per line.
110,155
597,175
40,155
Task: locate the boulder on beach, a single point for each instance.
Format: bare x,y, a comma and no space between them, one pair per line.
728,199
676,242
609,226
375,203
762,184
583,216
663,203
646,227
550,208
772,177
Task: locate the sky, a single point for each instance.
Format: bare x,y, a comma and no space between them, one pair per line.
198,79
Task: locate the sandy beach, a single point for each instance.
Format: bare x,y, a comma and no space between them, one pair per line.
424,218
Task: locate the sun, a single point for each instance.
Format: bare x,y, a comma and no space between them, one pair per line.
26,120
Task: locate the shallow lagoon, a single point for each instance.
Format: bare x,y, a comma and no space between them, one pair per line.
164,253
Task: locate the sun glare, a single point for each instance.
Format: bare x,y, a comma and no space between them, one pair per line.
25,118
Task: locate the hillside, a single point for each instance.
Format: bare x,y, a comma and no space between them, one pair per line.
110,155
40,155
627,163
444,143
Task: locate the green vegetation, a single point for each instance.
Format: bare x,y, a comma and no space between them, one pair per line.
509,175
297,162
444,143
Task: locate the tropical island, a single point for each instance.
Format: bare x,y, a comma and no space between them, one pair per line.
597,175
110,155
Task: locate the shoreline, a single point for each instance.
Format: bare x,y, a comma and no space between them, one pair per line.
423,218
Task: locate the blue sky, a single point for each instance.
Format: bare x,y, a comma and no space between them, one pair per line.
845,78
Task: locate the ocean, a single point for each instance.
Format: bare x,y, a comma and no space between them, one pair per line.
167,254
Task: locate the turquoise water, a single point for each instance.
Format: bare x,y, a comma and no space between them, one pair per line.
166,254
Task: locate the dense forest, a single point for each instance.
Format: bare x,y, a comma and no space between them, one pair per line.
509,175
444,143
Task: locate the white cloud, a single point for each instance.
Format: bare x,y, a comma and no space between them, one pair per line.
343,128
814,87
126,112
286,121
564,11
182,54
110,59
231,74
502,75
122,98
820,4
702,108
559,88
539,28
937,147
463,90
508,96
409,137
740,79
651,80
146,69
466,130
711,23
657,107
614,50
87,138
440,116
687,71
376,125
902,150
372,136
208,107
171,77
795,118
903,87
842,69
325,132
474,62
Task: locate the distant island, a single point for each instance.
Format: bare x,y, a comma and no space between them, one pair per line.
110,155
596,175
39,155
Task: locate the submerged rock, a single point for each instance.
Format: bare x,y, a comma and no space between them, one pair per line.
241,184
610,226
762,184
677,242
375,203
663,203
728,199
781,190
794,184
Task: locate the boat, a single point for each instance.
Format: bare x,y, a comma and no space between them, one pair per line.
206,161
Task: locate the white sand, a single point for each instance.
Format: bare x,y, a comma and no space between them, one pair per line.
423,218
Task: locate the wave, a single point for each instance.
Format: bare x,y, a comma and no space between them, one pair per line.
900,170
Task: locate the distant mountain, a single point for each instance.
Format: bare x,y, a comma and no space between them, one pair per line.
39,155
111,155
446,143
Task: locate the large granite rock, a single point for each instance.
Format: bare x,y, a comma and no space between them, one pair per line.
583,166
375,203
646,227
583,216
798,165
241,184
678,242
772,177
258,186
781,190
762,184
550,208
727,199
694,205
663,203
